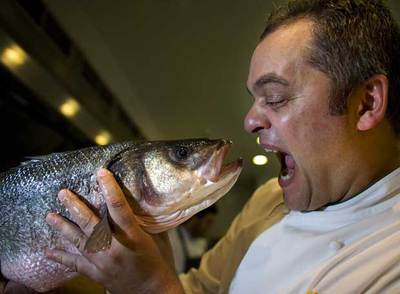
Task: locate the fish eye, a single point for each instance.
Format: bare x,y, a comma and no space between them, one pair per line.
182,153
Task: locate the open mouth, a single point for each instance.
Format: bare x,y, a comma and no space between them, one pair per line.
288,164
216,169
288,168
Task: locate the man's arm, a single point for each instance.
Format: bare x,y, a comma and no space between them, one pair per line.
218,265
10,287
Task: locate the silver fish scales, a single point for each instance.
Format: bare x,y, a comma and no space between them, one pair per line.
168,181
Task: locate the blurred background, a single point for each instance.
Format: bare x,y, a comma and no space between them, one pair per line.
75,73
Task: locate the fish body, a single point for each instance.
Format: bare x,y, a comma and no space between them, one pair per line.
165,182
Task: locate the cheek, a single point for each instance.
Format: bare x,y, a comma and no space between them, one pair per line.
311,136
167,181
164,177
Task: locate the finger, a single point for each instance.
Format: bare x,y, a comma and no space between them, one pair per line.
70,231
77,263
117,204
82,215
15,288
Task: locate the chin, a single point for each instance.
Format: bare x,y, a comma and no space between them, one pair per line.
296,202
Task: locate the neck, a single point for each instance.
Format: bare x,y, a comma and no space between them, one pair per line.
378,157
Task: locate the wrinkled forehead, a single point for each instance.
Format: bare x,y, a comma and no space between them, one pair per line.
281,52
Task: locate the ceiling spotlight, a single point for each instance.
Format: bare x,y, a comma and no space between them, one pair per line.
70,107
103,137
13,56
260,160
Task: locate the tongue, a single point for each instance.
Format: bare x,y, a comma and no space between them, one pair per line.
289,161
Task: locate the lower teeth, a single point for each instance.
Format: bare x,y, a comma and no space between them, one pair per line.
286,175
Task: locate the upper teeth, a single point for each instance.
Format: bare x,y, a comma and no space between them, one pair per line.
270,150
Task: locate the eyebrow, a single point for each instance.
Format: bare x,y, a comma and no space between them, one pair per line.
269,78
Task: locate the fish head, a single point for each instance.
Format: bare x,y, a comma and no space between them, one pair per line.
177,179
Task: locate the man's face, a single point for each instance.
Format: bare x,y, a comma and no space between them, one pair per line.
291,115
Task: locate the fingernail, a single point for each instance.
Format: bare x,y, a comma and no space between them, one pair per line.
102,172
62,195
51,218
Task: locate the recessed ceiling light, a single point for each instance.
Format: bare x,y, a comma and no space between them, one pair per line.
70,107
260,160
13,56
103,137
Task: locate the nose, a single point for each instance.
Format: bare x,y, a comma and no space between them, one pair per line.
256,120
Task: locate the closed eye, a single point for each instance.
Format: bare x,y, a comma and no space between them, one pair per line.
275,103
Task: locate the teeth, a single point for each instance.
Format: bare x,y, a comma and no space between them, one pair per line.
286,177
270,150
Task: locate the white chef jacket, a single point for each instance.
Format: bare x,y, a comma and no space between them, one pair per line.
351,247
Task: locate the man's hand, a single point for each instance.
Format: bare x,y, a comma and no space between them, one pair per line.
136,262
10,287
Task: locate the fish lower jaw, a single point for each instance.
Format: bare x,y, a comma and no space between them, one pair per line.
162,222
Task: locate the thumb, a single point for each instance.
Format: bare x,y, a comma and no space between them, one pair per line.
15,288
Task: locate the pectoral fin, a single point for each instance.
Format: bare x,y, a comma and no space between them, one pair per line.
101,237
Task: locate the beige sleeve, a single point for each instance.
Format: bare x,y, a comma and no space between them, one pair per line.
219,264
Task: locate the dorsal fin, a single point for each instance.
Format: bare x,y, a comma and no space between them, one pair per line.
30,159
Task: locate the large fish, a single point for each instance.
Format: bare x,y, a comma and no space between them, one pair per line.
166,183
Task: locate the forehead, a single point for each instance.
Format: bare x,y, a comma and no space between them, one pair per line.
282,51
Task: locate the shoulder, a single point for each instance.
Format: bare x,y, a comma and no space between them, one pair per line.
265,199
270,188
264,208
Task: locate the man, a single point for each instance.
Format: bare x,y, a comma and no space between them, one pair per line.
325,80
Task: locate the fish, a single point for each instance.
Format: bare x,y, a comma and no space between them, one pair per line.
165,183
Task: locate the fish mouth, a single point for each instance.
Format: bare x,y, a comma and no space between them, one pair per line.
215,179
159,223
215,169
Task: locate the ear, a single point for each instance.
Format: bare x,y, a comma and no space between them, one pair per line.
373,103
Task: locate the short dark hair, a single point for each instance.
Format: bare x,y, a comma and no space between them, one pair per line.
352,41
